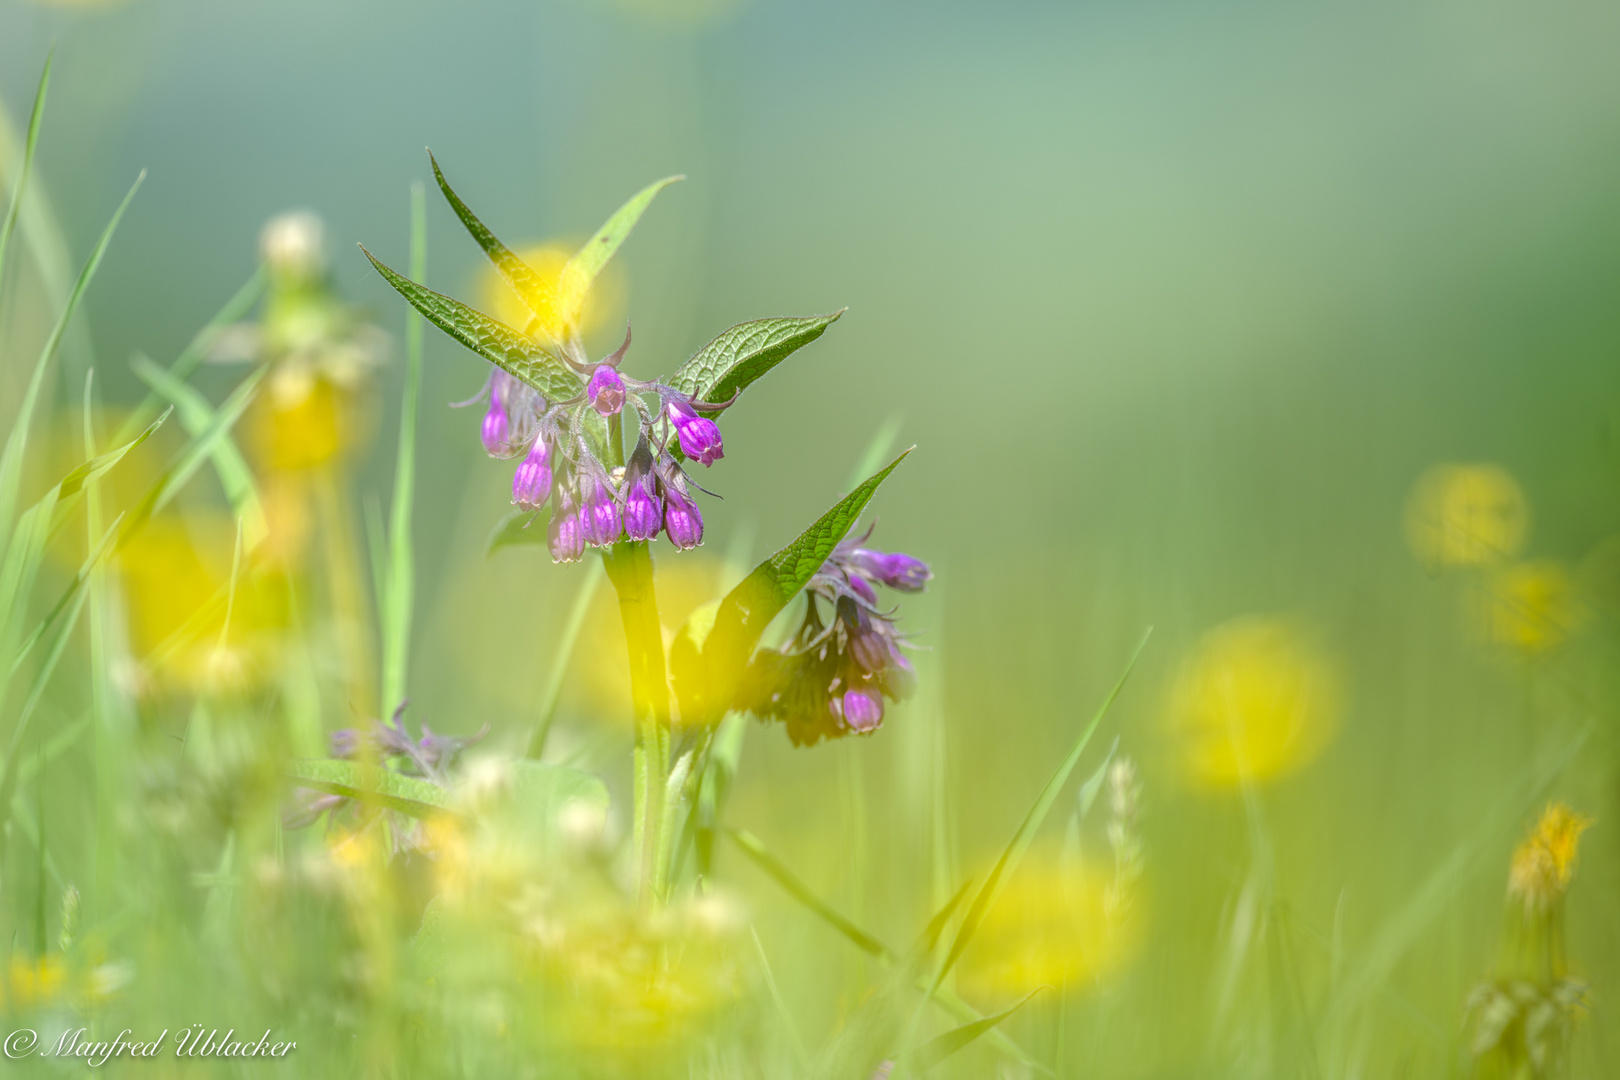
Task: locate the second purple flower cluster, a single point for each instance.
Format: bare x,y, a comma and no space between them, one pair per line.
593,504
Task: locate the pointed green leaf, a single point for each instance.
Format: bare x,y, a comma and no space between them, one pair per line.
737,357
1014,852
936,1050
538,294
706,685
577,277
382,787
514,352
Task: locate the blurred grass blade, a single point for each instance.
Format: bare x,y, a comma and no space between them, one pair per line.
563,658
575,281
537,294
936,1050
751,846
398,596
943,998
375,785
11,459
196,417
739,356
34,119
188,360
1014,852
510,350
877,448
784,1014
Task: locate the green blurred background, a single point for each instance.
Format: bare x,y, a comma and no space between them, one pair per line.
1177,300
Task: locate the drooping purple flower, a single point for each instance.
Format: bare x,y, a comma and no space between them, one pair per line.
531,484
497,429
565,534
894,569
682,521
643,506
699,436
605,390
862,710
600,514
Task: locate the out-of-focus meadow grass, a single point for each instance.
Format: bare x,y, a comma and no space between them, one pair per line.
1290,333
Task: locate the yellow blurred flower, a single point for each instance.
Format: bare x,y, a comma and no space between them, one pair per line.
1060,922
1545,862
176,575
560,300
1532,606
1256,699
1466,515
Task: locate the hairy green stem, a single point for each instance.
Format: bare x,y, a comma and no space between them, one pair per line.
629,568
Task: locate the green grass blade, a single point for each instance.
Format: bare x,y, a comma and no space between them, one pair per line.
399,596
580,272
187,362
1014,851
783,1013
751,846
11,460
510,350
952,1042
372,784
564,658
197,416
34,119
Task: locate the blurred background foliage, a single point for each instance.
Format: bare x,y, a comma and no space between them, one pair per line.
1290,331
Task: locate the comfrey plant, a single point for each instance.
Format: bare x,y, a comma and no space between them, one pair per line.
587,482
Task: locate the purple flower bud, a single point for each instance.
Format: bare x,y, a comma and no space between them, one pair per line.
605,390
497,428
861,588
895,569
901,678
643,512
863,710
345,742
531,484
600,516
565,535
700,436
682,521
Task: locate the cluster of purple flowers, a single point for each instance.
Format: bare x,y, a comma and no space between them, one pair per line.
592,504
831,679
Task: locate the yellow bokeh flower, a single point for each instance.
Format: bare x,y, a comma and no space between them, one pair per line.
1544,863
1255,700
560,301
1466,515
1059,922
1532,606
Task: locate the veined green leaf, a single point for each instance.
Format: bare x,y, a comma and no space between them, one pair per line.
519,526
377,785
538,294
737,357
11,460
196,416
936,1050
1014,851
29,143
511,350
580,273
707,684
